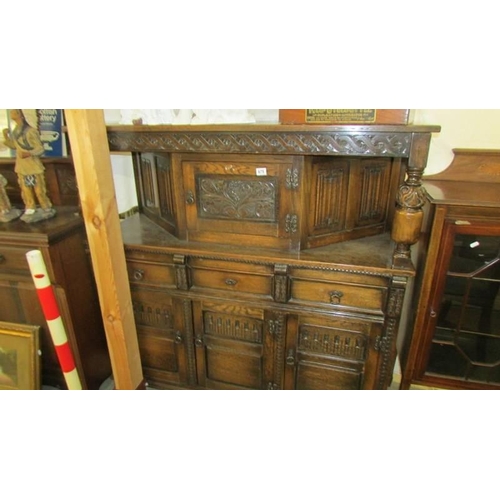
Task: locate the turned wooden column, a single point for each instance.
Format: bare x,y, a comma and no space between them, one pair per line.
410,199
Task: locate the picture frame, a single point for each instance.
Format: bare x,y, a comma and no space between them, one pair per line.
19,356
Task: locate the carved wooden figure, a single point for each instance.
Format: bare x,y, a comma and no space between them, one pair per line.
7,212
25,140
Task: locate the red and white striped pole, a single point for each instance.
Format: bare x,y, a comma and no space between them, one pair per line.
50,309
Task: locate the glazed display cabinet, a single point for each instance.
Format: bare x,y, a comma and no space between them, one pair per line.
456,335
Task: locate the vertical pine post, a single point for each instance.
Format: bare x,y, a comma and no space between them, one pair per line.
91,156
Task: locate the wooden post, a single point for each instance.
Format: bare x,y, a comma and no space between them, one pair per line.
91,156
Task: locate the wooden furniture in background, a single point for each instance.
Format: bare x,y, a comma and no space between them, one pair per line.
262,256
59,177
61,241
456,334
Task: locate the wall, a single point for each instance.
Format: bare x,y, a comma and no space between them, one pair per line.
460,128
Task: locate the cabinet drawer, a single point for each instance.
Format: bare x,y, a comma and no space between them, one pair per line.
231,276
13,260
231,281
151,274
339,294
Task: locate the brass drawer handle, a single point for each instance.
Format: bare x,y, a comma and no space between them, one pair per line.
231,282
336,297
138,274
290,358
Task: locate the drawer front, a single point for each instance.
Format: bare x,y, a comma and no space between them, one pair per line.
151,274
151,257
231,281
339,294
234,277
13,260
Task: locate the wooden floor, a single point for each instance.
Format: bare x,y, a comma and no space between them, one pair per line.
396,380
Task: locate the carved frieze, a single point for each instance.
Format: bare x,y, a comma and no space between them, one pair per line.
347,142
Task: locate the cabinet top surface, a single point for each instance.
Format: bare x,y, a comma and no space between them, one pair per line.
45,159
263,127
446,192
369,255
472,178
18,232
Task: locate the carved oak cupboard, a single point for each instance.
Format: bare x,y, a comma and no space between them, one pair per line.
271,257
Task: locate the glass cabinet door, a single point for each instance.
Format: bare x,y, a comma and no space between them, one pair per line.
466,306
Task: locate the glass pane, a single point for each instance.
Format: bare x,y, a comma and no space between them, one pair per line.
466,341
471,252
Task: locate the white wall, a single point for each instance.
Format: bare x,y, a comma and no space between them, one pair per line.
460,128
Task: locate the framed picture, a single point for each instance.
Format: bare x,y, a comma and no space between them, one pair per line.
19,356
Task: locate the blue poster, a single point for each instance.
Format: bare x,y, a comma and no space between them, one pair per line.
50,125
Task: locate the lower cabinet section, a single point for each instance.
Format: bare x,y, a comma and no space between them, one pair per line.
210,318
330,353
214,344
235,346
163,334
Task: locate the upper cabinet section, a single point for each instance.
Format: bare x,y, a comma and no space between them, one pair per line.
289,187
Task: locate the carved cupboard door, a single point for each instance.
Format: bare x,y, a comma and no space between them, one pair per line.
164,330
326,352
237,346
234,198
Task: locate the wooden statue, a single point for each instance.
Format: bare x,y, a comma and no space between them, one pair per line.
7,212
25,139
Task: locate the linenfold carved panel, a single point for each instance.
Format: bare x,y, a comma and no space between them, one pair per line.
372,199
152,315
330,187
336,343
233,327
148,182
